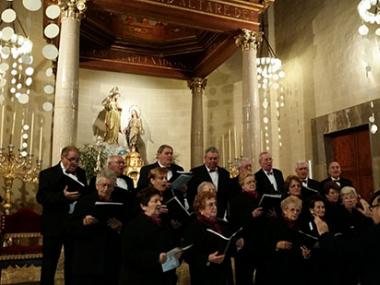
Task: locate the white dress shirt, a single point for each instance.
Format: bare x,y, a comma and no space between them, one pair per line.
271,178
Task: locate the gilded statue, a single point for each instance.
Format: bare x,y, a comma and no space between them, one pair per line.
134,129
112,117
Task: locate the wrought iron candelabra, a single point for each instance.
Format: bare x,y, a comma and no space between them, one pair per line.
19,166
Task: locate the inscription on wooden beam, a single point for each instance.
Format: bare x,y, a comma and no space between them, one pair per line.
209,7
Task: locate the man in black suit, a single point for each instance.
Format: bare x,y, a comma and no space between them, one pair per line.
309,186
124,189
58,202
212,172
165,160
116,164
268,179
335,172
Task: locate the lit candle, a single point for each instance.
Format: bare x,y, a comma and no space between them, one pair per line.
229,145
2,125
223,151
310,166
22,125
31,134
40,145
13,127
235,143
241,145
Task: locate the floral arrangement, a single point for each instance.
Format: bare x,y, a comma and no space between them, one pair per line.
93,158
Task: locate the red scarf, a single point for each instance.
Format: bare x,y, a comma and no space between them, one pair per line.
155,219
289,223
210,223
252,194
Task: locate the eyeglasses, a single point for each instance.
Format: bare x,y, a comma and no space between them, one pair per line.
104,185
72,159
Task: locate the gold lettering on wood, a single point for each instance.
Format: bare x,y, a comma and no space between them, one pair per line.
211,7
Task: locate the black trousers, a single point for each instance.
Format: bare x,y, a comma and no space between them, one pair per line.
51,250
244,268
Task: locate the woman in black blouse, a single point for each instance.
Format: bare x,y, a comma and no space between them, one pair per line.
246,213
145,243
208,262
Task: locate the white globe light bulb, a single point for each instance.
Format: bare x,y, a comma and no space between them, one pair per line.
363,30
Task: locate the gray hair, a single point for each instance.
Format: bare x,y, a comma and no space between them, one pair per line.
108,174
65,151
203,185
302,162
111,158
346,190
244,161
211,149
291,200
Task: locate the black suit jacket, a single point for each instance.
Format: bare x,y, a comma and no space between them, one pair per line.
223,194
144,173
55,207
342,181
313,185
264,185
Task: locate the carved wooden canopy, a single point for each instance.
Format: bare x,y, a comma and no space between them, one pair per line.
168,38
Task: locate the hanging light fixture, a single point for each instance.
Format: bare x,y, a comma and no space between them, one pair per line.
269,67
16,58
269,76
369,12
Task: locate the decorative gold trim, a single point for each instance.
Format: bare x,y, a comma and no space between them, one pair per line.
22,235
241,20
20,256
248,40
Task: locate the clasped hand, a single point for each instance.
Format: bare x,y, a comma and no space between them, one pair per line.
70,195
216,258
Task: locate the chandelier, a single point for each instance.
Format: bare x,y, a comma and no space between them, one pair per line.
16,58
369,12
269,77
269,67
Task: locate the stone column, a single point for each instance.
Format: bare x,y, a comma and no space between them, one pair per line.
197,86
67,81
251,136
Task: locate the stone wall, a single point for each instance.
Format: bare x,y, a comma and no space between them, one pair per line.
325,60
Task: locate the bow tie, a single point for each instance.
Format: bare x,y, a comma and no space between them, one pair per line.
270,173
213,170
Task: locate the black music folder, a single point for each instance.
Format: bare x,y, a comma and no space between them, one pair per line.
307,240
177,210
74,185
269,201
107,210
224,243
181,180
